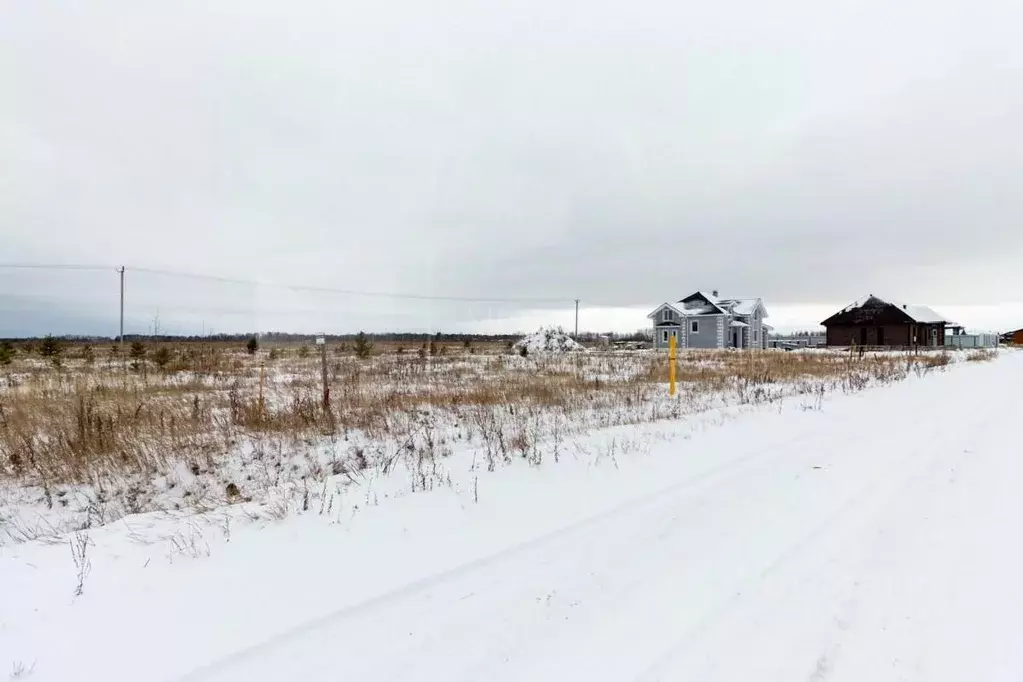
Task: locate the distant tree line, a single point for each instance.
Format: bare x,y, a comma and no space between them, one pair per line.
289,337
275,337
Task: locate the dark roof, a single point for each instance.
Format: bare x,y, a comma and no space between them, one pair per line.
920,314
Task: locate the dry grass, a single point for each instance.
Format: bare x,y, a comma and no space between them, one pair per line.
105,425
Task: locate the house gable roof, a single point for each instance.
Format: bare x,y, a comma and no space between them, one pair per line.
920,314
661,307
744,306
701,303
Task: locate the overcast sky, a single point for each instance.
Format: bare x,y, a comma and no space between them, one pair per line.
623,153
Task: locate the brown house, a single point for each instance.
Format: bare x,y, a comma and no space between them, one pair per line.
1015,337
873,321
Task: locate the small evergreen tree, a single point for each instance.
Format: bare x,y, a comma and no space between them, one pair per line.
162,357
52,350
363,346
252,346
87,355
50,347
6,353
303,352
137,355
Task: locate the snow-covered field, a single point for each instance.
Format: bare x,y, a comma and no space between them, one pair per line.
863,536
87,444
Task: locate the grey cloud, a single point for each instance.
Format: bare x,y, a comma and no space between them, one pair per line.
620,153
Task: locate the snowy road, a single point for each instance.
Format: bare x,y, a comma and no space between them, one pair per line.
880,545
875,539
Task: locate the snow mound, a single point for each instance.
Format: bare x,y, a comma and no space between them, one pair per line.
549,340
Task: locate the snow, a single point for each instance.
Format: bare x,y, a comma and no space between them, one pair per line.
549,340
919,313
742,306
699,308
738,306
829,550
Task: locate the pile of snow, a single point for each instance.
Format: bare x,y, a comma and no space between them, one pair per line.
548,340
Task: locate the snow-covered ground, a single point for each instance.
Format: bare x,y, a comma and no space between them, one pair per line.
853,537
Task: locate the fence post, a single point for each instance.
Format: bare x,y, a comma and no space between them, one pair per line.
262,379
321,341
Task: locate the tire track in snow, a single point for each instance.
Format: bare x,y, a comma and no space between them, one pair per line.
806,557
876,491
655,506
633,505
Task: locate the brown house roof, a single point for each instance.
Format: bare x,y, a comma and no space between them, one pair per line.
920,314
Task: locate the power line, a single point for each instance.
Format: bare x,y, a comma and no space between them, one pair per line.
349,292
282,285
308,288
56,266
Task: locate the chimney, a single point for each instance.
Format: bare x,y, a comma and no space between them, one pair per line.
903,306
714,293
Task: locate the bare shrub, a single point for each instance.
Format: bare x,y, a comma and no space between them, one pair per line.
191,544
80,555
19,671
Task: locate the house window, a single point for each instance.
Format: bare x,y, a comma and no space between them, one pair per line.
664,336
756,336
694,327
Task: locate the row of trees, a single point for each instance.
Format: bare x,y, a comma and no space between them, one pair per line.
54,350
278,338
49,348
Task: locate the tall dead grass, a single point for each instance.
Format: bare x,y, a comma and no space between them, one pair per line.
100,421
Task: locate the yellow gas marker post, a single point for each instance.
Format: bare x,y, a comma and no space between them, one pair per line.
672,357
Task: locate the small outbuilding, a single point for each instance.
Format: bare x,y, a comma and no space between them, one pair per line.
873,321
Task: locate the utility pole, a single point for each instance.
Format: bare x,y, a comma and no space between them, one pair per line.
120,336
576,337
